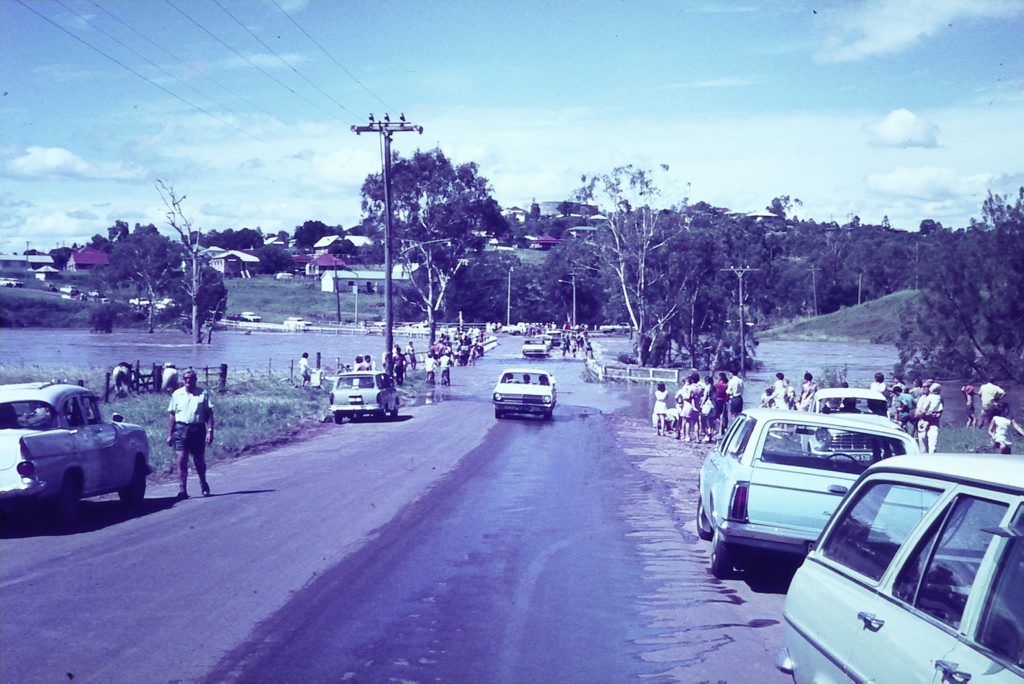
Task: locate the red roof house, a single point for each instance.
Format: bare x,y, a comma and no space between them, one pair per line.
86,259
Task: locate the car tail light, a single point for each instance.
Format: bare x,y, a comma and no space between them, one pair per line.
738,505
26,468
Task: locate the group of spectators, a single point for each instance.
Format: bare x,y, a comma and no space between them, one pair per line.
995,413
701,408
576,340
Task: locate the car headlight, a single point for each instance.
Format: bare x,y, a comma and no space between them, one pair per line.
547,399
497,396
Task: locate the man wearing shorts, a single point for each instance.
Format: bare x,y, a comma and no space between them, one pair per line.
190,430
734,390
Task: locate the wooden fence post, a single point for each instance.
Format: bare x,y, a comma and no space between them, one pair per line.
158,378
318,360
223,378
106,388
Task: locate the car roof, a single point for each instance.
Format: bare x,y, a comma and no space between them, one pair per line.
853,421
50,392
995,469
529,371
848,392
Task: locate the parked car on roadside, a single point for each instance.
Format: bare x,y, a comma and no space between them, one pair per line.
56,449
296,323
849,400
918,577
536,347
250,317
524,390
777,476
363,393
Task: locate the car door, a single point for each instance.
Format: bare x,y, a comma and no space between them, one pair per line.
993,651
722,469
85,452
912,626
848,568
115,464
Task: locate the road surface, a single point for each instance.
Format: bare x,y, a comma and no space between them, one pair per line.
445,546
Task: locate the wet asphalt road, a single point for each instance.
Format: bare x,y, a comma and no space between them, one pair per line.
446,546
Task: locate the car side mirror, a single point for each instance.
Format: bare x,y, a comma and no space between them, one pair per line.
117,418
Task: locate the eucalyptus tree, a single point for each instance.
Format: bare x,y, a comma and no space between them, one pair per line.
442,214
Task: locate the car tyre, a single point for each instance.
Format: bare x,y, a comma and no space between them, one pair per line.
134,492
704,529
722,557
548,414
394,411
68,501
339,417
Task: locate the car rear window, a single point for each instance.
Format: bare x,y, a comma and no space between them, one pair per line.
355,382
827,448
27,415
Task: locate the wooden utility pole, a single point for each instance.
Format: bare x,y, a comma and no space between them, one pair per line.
740,272
387,128
814,287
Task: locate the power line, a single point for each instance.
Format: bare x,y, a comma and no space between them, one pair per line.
185,64
251,63
283,60
144,78
331,57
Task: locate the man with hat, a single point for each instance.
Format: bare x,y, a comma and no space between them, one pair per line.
929,415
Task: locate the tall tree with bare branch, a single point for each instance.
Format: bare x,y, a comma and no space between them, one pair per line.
189,238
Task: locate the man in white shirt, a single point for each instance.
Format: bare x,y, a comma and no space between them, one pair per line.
734,390
190,430
989,393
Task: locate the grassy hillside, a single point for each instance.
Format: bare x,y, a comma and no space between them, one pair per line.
276,300
875,321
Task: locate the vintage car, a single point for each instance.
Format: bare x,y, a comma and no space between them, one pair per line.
525,390
849,400
536,347
249,317
363,393
57,449
296,323
777,476
918,577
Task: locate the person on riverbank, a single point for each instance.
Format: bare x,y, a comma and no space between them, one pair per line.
190,430
445,364
807,391
929,415
684,404
989,393
429,365
1000,427
969,394
410,353
660,407
879,406
720,392
398,363
735,391
304,371
902,405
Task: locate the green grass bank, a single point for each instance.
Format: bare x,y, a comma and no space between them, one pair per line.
877,321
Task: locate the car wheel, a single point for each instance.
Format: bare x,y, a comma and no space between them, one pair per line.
498,413
68,501
722,557
548,414
135,491
394,411
339,417
704,529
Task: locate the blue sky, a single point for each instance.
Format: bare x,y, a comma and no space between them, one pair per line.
910,110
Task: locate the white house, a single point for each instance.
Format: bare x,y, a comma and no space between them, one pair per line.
323,245
234,263
365,280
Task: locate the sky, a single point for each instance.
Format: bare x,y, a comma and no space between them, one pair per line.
909,110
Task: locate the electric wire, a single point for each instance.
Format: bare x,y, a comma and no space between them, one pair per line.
185,64
253,64
283,60
313,40
145,78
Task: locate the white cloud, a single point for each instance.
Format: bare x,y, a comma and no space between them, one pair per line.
928,183
885,27
902,128
57,162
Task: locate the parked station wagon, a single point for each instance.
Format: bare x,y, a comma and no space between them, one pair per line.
524,390
363,393
919,577
56,448
536,347
778,475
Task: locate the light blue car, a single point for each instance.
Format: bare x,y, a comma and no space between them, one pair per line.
777,476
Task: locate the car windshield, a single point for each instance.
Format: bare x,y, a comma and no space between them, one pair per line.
27,415
525,379
355,382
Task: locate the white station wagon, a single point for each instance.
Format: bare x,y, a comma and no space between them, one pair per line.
524,390
778,475
919,577
56,448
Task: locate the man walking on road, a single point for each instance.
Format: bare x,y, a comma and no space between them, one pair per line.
190,430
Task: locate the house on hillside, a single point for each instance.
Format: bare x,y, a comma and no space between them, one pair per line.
87,259
233,263
25,261
363,280
516,215
323,262
300,262
545,242
275,241
324,244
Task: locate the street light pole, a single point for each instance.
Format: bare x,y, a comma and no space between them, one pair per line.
508,303
740,272
573,283
387,128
